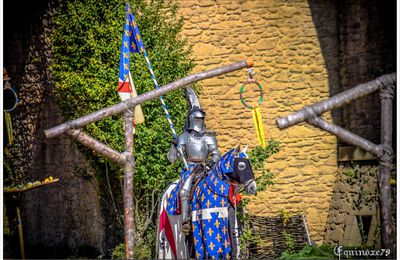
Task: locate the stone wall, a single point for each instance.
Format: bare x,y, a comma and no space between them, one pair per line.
65,217
282,39
367,50
304,52
60,218
354,212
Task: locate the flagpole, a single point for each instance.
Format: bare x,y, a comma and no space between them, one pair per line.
171,125
132,31
133,94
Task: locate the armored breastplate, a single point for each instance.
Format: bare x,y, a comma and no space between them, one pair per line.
196,149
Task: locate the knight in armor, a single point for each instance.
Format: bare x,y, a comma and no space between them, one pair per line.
200,150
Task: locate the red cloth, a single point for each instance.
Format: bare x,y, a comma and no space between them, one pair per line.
232,195
169,234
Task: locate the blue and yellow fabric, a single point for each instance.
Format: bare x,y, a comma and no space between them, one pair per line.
210,211
209,206
173,200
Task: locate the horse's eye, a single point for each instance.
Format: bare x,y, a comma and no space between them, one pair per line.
242,166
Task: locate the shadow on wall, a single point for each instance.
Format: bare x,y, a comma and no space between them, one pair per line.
358,43
65,218
20,29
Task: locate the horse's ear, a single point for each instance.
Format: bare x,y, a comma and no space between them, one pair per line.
237,149
245,149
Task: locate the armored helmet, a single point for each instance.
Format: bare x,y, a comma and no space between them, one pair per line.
196,121
195,117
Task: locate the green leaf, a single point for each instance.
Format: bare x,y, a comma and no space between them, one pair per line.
86,49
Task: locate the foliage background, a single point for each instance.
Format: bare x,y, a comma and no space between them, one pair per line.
87,42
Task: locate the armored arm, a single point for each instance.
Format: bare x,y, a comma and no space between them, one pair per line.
212,147
173,154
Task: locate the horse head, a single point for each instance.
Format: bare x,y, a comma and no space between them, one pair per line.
236,166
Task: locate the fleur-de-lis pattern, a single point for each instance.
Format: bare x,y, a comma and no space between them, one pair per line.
131,43
173,205
209,206
212,238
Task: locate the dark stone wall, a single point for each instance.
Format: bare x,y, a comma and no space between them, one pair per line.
25,64
64,218
325,19
59,219
367,40
358,41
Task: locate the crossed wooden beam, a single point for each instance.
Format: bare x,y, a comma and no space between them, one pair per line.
126,158
312,115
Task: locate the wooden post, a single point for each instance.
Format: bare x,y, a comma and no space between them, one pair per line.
384,151
385,167
128,185
20,234
127,158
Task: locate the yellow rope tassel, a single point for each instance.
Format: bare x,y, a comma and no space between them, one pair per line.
258,125
7,117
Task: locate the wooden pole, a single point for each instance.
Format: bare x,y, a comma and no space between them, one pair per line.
384,151
131,103
97,146
128,186
336,101
127,158
20,234
346,135
385,167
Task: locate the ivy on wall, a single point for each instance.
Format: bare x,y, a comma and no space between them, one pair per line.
86,48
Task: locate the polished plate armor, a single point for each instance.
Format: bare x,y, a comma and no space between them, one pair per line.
196,121
197,149
198,146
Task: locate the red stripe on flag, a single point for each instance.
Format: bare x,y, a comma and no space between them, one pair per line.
124,87
166,225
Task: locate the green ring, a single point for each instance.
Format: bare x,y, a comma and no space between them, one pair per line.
242,91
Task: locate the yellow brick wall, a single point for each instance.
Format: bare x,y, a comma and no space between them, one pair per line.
281,38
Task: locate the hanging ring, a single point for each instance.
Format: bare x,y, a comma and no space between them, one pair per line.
10,95
242,92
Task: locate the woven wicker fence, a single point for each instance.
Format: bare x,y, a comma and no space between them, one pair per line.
272,236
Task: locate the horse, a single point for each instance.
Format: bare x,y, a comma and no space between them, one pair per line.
214,229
